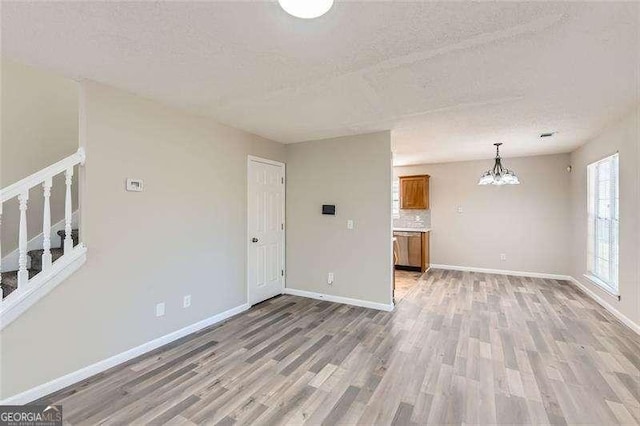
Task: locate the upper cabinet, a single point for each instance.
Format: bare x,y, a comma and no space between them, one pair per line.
414,192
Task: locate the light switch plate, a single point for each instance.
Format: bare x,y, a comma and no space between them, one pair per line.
135,185
186,301
160,309
350,224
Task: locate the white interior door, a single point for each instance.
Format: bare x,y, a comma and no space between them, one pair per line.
265,218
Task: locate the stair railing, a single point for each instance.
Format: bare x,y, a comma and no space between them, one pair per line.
20,190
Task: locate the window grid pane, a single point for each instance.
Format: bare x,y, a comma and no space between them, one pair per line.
602,231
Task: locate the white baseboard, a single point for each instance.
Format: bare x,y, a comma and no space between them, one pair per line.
339,299
100,366
10,260
623,318
503,272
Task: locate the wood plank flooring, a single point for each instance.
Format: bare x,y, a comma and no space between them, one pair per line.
459,348
405,281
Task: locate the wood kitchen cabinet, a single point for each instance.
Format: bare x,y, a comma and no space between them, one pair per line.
414,192
426,261
415,252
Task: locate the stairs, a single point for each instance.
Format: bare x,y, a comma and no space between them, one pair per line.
10,278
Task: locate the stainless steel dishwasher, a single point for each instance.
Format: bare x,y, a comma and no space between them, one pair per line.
409,250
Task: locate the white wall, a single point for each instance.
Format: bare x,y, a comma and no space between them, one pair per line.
624,137
530,222
185,234
39,116
354,173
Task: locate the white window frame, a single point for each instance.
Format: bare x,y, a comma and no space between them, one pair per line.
608,281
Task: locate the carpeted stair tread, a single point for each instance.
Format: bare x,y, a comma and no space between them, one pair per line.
36,257
10,278
54,252
10,281
74,236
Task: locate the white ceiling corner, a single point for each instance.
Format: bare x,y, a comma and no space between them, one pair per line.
448,78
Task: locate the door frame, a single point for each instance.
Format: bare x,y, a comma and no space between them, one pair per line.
250,159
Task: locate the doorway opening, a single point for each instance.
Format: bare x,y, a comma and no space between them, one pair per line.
411,230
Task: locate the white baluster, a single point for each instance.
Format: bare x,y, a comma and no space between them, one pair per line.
1,292
46,225
23,274
68,241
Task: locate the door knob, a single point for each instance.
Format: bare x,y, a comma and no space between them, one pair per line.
254,240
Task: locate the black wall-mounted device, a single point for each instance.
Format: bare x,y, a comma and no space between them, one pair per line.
329,209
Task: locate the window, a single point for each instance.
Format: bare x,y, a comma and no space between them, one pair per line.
395,198
603,202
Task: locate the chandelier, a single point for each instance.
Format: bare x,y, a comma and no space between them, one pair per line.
499,175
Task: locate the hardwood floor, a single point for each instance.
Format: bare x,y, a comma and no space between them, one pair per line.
460,348
405,281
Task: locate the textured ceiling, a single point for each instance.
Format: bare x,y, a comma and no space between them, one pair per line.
448,78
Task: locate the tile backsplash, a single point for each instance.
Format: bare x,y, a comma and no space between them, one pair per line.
413,219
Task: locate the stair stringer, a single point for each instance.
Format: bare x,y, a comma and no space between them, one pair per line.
20,300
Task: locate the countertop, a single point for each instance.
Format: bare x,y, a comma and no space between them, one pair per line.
412,229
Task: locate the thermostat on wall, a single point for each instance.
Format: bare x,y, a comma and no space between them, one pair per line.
135,185
329,209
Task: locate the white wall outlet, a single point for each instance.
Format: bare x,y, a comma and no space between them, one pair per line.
160,309
330,278
350,224
135,185
503,256
186,301
459,209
